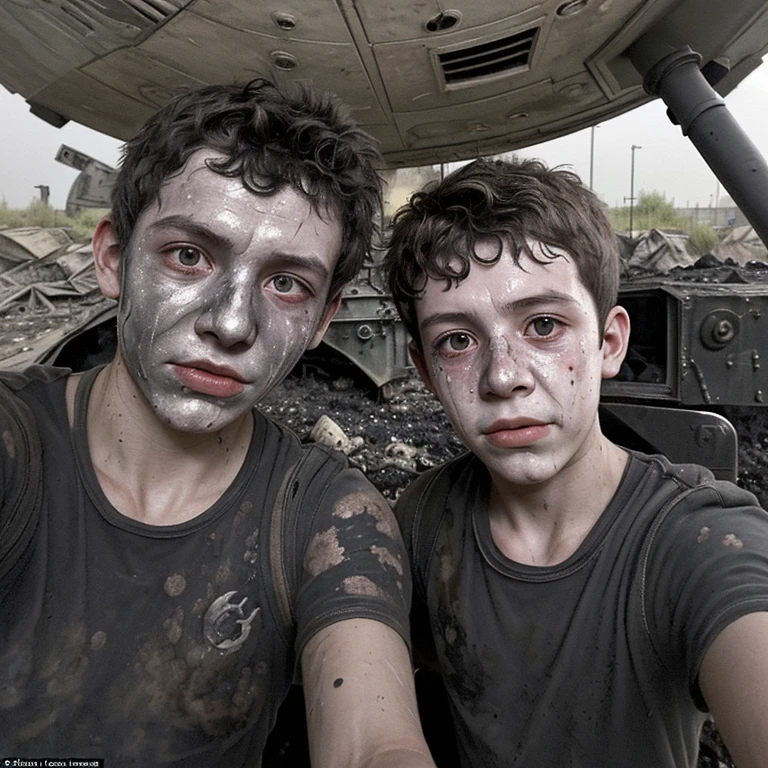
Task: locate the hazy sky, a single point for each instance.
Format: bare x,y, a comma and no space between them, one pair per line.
667,162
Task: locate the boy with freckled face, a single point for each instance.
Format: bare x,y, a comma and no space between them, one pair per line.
169,557
585,604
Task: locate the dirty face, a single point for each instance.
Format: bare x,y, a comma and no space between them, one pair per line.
223,291
514,354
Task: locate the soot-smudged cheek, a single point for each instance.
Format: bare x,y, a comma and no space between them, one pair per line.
152,323
283,340
455,385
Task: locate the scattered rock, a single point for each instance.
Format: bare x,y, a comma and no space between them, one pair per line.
328,432
389,440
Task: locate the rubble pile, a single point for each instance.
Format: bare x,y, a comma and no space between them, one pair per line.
48,289
391,441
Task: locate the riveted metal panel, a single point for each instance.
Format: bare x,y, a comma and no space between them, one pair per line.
199,42
318,21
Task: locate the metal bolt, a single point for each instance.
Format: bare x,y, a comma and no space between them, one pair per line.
443,21
571,8
364,332
723,331
285,21
284,61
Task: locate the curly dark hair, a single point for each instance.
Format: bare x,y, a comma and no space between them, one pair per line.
508,201
269,140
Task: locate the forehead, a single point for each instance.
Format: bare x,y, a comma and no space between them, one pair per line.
212,199
546,271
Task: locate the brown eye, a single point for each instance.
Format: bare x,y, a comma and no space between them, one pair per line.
543,326
189,257
283,284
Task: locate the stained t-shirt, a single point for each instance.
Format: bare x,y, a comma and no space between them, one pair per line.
167,646
592,662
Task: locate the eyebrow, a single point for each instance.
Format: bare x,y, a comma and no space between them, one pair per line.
526,303
200,231
305,261
192,227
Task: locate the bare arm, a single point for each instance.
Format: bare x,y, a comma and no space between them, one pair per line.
734,681
361,704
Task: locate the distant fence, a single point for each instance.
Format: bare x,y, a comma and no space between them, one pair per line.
717,217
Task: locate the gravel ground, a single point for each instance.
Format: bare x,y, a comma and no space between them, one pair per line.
397,438
392,441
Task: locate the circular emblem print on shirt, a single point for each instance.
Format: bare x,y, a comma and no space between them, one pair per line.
228,623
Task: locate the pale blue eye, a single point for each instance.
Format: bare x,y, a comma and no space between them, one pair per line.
189,257
283,284
543,326
458,342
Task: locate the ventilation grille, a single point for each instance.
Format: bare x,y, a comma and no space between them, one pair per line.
485,59
154,10
114,17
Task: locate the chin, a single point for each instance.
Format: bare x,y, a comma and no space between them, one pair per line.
523,470
197,416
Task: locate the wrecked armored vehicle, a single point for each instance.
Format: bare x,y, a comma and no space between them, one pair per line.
483,79
697,345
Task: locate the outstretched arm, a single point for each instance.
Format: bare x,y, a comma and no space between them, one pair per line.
734,681
360,699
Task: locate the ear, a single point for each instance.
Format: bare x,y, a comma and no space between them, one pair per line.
421,366
106,258
615,341
330,313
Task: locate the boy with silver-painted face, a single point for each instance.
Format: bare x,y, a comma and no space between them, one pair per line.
170,556
586,605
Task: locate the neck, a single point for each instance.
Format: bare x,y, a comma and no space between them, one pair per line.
148,470
545,524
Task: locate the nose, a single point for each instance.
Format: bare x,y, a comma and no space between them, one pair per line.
230,314
505,371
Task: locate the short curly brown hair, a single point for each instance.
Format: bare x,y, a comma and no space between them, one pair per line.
269,140
508,201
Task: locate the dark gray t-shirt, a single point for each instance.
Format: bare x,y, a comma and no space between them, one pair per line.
592,662
153,646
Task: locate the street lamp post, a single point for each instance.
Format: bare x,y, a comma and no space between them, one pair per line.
632,190
592,156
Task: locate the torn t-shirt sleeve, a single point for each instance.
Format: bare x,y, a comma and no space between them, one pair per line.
20,483
352,562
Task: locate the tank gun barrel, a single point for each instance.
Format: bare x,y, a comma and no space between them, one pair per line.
704,117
